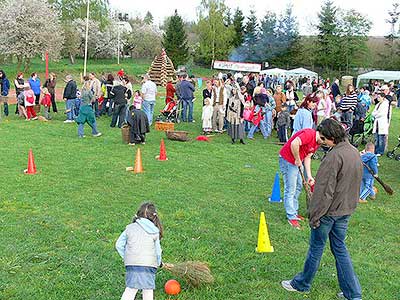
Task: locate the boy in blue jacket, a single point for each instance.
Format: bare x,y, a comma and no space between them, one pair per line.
367,184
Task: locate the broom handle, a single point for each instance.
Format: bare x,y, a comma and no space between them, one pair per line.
306,186
387,188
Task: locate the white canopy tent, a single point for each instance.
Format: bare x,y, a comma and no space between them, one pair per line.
301,72
379,75
275,71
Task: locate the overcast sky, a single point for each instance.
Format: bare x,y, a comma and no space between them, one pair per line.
305,10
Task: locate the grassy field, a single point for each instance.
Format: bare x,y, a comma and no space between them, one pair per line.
59,227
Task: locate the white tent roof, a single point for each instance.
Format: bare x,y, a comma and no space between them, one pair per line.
380,75
275,71
301,72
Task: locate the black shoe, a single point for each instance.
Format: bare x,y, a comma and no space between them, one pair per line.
242,142
233,141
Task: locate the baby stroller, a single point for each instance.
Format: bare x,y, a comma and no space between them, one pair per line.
169,113
361,131
392,154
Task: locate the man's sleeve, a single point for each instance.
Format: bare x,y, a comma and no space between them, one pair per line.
324,190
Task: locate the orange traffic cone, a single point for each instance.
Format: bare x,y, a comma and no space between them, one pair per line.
31,164
163,152
138,162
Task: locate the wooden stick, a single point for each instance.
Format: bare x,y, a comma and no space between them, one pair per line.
386,187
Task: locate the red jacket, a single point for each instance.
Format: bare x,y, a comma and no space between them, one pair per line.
170,92
46,100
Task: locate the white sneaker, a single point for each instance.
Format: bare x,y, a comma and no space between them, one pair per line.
97,134
379,155
69,121
287,286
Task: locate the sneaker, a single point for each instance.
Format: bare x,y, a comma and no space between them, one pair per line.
68,121
340,295
301,218
379,155
143,143
294,223
35,118
286,284
97,134
362,201
193,121
81,136
131,144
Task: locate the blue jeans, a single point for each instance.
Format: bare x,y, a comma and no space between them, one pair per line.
268,122
254,128
335,228
81,127
380,143
70,106
292,187
187,103
148,109
366,189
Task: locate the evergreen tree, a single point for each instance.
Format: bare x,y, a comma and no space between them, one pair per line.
328,41
268,38
251,38
287,35
148,19
238,26
175,40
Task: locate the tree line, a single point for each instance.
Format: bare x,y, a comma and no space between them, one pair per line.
58,27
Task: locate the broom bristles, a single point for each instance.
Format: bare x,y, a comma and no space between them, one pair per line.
195,273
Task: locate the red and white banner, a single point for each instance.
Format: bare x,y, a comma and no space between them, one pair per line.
237,66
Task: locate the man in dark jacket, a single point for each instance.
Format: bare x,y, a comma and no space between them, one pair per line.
335,88
186,90
336,193
119,94
69,98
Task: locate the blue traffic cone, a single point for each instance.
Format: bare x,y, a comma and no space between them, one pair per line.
276,190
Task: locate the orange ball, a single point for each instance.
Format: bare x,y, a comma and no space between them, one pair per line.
172,287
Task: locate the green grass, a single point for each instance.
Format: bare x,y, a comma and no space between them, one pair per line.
59,227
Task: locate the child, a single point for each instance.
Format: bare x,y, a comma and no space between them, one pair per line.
283,123
29,97
367,184
86,113
46,102
139,246
137,100
207,115
139,126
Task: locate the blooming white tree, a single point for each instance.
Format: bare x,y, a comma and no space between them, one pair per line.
101,43
29,29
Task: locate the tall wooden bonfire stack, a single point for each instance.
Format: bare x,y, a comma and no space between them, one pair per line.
161,69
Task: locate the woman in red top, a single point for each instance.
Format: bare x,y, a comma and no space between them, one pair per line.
297,150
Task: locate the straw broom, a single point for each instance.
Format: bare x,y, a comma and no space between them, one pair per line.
385,186
195,273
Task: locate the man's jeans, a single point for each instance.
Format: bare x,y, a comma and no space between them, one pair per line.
380,143
70,105
185,105
292,187
148,109
335,228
